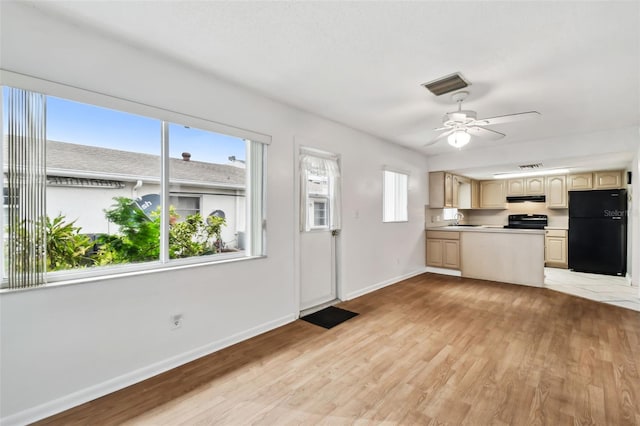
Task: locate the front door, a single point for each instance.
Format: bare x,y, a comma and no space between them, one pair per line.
319,230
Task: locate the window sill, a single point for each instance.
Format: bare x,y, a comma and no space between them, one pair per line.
76,278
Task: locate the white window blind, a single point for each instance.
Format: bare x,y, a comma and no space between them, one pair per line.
395,196
26,182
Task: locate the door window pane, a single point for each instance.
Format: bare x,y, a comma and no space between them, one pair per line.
318,211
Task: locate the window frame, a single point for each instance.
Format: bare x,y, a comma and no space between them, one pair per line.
256,214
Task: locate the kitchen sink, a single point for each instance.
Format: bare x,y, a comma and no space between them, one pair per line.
465,225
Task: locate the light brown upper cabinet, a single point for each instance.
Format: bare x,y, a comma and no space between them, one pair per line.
448,190
440,193
534,186
492,194
610,179
455,186
580,181
475,194
525,186
444,189
515,187
556,192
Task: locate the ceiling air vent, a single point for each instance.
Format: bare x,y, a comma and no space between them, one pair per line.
447,84
530,166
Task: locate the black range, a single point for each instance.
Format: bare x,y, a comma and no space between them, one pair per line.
527,221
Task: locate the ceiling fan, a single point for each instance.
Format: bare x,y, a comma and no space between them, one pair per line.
460,125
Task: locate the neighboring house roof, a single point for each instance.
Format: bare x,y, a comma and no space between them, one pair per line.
68,159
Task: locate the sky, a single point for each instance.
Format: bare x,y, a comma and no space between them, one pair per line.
83,124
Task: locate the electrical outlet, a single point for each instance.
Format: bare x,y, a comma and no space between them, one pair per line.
176,321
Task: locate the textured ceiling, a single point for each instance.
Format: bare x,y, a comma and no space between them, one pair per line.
362,63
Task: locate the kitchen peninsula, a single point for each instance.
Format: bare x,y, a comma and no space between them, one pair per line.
491,253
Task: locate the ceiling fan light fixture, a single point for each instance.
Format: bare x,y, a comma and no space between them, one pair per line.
459,138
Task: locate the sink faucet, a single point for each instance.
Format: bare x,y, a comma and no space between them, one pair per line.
458,217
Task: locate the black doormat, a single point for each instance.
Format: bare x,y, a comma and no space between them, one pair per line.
329,317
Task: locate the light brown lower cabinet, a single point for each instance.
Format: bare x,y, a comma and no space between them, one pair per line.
555,248
443,249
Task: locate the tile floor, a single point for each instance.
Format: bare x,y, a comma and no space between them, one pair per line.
602,288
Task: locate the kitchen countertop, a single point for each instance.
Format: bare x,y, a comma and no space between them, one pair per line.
559,228
489,228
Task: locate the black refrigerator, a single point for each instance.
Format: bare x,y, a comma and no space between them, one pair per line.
598,231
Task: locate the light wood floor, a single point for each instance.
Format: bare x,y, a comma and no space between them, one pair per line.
429,350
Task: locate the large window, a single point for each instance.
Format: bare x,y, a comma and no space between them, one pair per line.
395,197
125,189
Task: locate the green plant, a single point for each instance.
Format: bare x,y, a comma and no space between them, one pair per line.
66,247
25,243
195,236
139,237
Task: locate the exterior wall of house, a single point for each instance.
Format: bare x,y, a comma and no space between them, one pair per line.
63,345
86,206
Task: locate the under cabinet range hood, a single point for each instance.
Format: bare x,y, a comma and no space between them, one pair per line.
523,198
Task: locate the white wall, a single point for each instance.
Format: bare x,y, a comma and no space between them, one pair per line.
62,345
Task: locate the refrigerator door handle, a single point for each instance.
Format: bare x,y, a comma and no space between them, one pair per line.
617,218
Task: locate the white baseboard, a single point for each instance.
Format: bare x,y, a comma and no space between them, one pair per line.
444,271
74,399
382,284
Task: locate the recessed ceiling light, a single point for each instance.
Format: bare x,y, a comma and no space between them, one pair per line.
447,84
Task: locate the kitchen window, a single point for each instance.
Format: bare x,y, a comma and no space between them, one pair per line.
449,214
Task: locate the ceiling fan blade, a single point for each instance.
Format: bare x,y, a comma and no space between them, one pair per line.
483,133
441,128
437,138
507,118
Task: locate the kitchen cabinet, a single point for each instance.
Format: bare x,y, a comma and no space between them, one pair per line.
475,194
525,186
455,187
443,249
610,179
440,190
555,248
492,194
580,182
448,190
534,186
444,189
556,195
515,187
